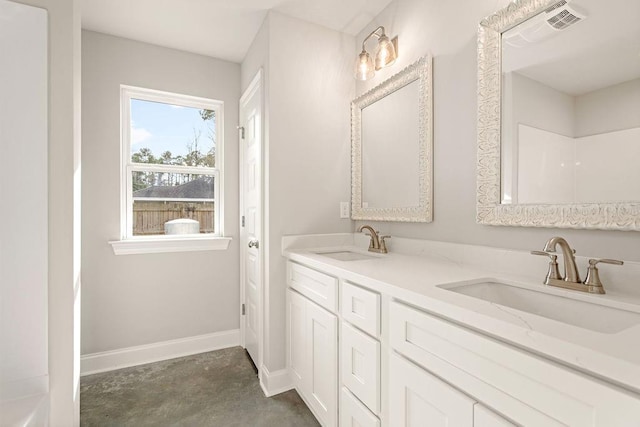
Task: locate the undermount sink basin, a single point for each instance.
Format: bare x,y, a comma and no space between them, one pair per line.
595,317
346,255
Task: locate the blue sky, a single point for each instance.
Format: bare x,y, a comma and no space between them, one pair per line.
164,127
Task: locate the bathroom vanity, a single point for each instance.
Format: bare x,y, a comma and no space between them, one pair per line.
445,334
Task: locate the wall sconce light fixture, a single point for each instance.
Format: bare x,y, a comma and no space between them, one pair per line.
386,54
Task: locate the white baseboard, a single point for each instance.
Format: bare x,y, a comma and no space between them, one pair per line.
139,355
273,383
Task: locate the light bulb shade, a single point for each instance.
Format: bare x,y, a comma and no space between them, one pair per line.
364,66
385,52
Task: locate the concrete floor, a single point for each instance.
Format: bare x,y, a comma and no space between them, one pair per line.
219,388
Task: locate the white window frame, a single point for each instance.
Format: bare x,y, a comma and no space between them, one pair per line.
128,243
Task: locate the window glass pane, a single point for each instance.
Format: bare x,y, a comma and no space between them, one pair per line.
160,198
172,134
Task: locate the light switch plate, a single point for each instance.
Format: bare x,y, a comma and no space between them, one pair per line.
344,210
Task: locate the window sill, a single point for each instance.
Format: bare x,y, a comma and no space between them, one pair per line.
154,245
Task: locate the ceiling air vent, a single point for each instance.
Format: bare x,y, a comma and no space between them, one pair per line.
564,17
555,18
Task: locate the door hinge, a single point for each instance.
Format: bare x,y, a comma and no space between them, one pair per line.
243,220
241,129
243,309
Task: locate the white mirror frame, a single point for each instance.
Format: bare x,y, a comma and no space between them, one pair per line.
608,216
421,71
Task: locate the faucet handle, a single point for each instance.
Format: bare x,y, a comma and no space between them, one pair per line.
551,255
383,244
554,271
593,262
593,277
573,251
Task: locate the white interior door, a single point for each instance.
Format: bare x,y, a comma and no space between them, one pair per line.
251,221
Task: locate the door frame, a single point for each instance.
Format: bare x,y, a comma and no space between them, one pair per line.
256,85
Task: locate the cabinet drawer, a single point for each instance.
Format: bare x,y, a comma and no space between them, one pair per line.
360,366
484,417
361,307
418,399
515,383
354,413
318,287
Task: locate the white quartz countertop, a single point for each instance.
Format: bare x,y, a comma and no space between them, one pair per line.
415,279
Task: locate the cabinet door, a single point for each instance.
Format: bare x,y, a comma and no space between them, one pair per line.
322,348
297,309
360,366
417,398
485,417
354,413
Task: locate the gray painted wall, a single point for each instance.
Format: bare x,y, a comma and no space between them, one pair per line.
131,300
441,29
307,149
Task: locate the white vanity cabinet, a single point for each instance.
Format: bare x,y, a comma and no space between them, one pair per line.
314,354
361,357
313,345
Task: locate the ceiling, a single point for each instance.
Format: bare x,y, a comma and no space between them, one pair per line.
219,28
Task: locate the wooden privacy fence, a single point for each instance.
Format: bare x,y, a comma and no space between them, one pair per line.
149,216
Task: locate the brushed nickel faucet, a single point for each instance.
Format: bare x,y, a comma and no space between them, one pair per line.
377,243
571,274
571,279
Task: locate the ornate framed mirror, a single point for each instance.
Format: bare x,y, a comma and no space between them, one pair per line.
392,146
559,115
